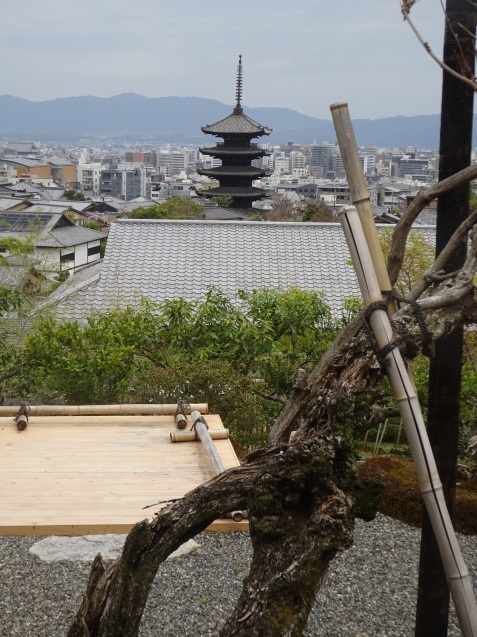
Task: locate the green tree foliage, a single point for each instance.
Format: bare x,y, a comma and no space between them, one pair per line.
173,208
92,364
418,258
318,211
237,354
468,397
92,225
74,195
223,201
15,247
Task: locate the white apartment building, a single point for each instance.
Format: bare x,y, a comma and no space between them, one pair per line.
282,165
89,177
173,162
368,163
297,160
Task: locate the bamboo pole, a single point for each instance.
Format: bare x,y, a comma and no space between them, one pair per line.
22,422
101,410
21,417
430,485
202,430
181,421
180,415
189,436
359,191
207,436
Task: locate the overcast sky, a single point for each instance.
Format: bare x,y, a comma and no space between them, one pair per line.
302,54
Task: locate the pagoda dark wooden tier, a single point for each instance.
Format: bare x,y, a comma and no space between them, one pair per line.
242,197
223,152
234,171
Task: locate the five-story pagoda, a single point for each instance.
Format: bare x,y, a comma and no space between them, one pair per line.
236,173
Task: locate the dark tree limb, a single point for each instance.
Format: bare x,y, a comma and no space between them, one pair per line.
117,593
300,517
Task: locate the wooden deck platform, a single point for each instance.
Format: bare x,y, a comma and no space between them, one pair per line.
75,475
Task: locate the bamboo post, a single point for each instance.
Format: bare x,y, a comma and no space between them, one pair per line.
180,415
21,417
202,430
431,488
359,191
22,422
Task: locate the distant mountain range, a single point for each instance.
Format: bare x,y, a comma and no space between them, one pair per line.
132,117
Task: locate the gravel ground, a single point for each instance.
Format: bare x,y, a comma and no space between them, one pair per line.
370,590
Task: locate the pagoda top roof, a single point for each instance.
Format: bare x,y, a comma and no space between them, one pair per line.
239,123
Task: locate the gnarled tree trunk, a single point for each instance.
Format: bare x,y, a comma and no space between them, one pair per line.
300,517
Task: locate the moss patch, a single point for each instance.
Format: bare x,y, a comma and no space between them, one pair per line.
401,498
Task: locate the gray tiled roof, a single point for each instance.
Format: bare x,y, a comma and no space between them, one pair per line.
74,235
73,299
21,146
47,193
17,224
13,276
237,123
224,214
59,206
9,202
169,259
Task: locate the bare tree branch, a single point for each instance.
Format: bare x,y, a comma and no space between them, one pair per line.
406,6
430,276
422,199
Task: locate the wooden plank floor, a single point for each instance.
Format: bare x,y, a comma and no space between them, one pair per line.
74,475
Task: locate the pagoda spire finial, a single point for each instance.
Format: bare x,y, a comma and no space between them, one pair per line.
238,92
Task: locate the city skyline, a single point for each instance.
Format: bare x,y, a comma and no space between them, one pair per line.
302,56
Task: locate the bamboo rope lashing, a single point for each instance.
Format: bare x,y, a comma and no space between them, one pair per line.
201,428
431,488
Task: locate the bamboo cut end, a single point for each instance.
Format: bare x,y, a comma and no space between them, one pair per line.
336,105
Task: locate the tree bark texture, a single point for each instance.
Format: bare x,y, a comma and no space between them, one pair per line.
300,517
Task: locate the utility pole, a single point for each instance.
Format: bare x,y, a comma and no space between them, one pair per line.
445,365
